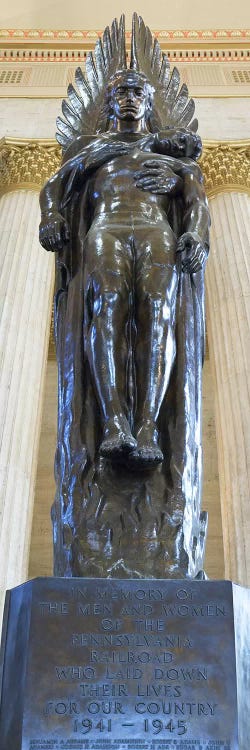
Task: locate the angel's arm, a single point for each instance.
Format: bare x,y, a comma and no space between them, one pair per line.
54,230
52,192
59,190
73,172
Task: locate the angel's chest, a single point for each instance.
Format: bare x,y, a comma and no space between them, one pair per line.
122,171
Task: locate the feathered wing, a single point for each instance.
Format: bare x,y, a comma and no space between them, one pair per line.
84,111
172,105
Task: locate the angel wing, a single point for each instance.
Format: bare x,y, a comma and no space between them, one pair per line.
172,105
84,112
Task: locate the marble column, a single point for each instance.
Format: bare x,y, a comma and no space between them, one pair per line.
228,323
26,290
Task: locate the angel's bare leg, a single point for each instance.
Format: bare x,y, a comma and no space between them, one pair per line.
107,278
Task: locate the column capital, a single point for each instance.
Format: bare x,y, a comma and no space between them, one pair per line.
25,164
226,166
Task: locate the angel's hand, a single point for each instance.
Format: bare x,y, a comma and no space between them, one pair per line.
53,231
196,252
180,143
157,177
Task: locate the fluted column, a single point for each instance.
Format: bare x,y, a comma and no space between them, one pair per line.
228,314
26,288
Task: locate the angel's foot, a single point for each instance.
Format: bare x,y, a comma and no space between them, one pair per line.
147,453
118,440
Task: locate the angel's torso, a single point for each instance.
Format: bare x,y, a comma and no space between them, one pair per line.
113,191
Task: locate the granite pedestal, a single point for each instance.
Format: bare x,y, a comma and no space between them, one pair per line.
97,664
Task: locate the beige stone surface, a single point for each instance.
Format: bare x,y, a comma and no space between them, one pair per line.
58,15
26,282
228,293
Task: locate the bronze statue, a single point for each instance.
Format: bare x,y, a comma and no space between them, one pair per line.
128,216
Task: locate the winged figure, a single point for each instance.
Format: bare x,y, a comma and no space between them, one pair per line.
128,218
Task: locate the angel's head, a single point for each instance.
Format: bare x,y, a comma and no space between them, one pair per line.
129,99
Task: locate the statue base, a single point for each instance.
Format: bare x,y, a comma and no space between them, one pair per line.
101,664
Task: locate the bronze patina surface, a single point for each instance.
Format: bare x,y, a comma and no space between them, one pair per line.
97,664
128,217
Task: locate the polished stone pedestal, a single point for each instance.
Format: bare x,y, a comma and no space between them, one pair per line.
97,664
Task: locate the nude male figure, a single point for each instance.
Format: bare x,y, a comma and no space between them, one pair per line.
132,261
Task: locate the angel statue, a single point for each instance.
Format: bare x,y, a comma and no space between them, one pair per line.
127,214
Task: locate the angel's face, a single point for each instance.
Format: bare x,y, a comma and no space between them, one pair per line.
129,101
129,97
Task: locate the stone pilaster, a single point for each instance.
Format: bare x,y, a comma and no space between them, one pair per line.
26,288
228,322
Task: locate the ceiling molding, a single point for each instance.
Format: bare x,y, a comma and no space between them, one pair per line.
177,35
38,63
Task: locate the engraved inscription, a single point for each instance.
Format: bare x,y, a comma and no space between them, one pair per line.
130,667
54,608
